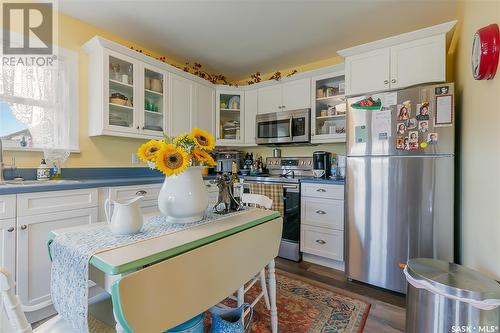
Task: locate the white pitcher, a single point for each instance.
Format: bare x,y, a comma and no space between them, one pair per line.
127,216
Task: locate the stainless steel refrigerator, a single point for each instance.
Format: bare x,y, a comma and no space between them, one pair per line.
399,182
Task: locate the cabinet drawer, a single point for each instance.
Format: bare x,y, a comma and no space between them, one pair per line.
55,201
127,192
322,242
326,213
7,206
325,191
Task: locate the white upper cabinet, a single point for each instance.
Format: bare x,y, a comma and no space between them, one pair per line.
204,108
230,117
181,100
291,95
251,107
418,61
367,72
270,99
133,95
297,94
401,61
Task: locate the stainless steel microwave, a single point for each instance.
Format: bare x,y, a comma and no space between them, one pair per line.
283,127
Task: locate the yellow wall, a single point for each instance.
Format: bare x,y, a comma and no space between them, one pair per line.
96,151
479,115
113,151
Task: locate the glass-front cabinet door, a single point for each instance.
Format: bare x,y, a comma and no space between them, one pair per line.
328,109
153,115
121,80
230,117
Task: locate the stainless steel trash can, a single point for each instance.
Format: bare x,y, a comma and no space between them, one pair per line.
446,297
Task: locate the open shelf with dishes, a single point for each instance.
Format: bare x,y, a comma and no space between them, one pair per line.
229,117
328,111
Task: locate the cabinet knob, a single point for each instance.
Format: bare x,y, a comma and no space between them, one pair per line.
141,192
137,127
283,106
10,229
386,81
393,80
320,241
24,226
279,106
320,212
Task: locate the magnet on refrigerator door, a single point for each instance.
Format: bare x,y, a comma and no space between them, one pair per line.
432,138
401,128
413,140
423,111
404,111
411,123
423,126
400,143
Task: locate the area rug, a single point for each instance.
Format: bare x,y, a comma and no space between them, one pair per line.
308,308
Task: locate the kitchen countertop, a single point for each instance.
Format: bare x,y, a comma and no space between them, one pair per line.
322,181
72,184
79,178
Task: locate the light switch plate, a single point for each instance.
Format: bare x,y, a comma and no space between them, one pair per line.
135,159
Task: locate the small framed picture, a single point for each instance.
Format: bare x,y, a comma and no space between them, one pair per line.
432,138
442,90
401,128
411,123
413,140
423,126
423,111
400,143
404,111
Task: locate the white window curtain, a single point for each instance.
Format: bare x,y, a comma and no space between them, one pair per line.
39,98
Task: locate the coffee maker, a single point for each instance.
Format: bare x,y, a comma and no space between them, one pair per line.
225,159
322,160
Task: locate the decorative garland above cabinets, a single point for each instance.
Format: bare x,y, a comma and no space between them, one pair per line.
196,69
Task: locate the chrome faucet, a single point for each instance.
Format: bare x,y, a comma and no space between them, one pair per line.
3,166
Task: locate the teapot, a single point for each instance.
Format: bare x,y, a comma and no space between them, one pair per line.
126,218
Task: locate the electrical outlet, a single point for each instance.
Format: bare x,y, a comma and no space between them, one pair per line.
135,159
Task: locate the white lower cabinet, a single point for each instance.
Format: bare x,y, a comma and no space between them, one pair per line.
324,242
8,244
33,263
322,224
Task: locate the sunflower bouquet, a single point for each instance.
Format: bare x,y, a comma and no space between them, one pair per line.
173,155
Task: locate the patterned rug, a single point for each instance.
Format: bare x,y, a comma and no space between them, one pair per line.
307,308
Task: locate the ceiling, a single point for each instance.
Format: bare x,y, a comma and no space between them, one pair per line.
237,38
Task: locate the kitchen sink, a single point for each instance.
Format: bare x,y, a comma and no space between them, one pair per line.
39,182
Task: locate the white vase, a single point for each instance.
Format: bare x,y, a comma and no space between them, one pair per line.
184,198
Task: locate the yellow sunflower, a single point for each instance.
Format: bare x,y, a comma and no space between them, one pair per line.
171,160
203,157
203,139
147,152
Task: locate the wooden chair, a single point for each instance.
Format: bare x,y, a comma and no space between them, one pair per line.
57,324
255,200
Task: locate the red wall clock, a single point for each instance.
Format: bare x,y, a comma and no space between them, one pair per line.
485,50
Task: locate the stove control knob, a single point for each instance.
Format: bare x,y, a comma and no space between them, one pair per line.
309,162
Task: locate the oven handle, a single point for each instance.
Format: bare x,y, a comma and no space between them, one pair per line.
285,186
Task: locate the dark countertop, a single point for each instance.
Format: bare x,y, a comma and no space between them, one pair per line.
72,184
331,181
78,178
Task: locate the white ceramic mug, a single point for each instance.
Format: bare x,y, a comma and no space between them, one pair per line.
126,218
318,173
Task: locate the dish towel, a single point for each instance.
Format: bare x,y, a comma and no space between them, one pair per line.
71,252
273,192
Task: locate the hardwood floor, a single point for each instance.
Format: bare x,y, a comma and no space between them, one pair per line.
387,312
